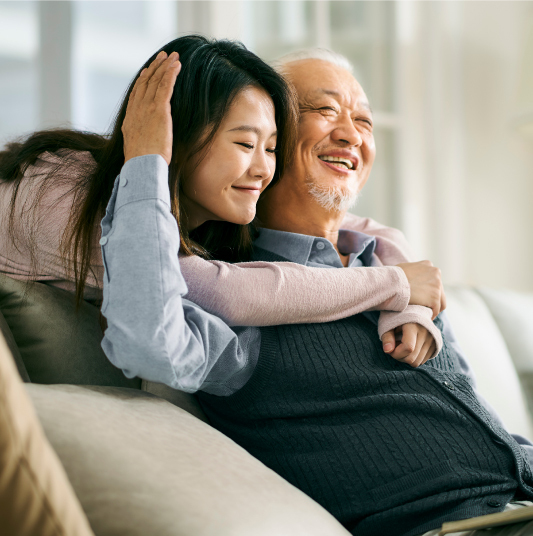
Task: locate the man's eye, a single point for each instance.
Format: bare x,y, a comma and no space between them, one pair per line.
367,121
328,108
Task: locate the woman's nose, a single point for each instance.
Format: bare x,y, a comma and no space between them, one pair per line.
261,167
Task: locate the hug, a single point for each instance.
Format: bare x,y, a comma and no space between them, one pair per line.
211,228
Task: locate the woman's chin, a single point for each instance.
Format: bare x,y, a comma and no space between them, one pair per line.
243,217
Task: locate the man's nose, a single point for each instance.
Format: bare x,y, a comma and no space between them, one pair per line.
347,132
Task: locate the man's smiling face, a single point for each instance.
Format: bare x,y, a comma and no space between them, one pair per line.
336,147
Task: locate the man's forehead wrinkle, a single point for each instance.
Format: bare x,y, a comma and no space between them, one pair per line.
316,92
331,92
367,106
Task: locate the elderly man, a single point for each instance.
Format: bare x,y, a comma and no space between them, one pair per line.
386,447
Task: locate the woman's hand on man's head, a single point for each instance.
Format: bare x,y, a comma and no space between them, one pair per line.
147,127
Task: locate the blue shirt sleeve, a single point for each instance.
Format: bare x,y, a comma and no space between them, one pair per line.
153,332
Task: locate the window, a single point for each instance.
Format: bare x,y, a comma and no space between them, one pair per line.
19,43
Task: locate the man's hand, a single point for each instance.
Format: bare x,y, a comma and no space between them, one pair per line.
147,127
426,285
411,344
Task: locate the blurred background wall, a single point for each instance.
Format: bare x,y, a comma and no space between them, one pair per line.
451,85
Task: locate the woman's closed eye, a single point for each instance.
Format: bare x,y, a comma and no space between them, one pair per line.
271,150
247,145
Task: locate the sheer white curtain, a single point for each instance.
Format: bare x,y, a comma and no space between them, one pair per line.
466,187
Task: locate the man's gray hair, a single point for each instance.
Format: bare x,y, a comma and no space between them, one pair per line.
313,54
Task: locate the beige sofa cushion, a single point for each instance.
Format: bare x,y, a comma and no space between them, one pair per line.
142,466
485,349
513,312
36,498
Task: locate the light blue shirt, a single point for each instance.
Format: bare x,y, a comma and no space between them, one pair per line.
153,331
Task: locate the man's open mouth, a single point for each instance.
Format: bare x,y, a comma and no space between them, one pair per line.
341,163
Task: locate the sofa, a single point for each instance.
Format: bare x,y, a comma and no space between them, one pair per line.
143,459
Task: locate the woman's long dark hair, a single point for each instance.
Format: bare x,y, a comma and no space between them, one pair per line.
213,73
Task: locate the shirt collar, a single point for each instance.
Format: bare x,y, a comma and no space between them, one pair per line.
298,248
292,246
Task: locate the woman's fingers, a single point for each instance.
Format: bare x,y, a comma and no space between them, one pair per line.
388,341
427,350
413,358
408,343
141,85
155,80
149,76
166,85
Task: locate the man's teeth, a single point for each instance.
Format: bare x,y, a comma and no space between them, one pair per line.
336,160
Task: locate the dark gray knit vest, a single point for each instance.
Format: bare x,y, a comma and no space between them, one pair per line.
386,448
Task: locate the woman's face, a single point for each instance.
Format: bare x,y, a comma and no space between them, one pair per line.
238,166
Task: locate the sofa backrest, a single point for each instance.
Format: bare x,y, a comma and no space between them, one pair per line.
484,346
55,343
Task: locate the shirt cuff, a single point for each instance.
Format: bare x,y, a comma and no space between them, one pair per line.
141,178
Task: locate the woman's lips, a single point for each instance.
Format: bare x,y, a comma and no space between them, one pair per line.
253,191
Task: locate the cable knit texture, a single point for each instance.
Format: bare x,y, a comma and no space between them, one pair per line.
379,444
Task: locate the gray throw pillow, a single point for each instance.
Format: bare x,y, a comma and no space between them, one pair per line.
58,343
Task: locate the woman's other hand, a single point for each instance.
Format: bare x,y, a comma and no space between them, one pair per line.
147,127
412,344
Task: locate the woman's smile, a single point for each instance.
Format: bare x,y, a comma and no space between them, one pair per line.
241,159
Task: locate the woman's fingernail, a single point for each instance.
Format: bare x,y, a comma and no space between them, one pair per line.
388,347
162,54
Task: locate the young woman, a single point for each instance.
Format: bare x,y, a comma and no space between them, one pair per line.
56,185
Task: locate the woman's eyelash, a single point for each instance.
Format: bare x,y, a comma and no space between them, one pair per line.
250,146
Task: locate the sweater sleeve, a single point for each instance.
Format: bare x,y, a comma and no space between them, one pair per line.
264,294
41,214
393,248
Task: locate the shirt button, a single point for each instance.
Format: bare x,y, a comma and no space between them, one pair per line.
320,245
494,504
103,240
449,385
124,182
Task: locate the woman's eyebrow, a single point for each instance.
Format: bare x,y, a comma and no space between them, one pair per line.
249,128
